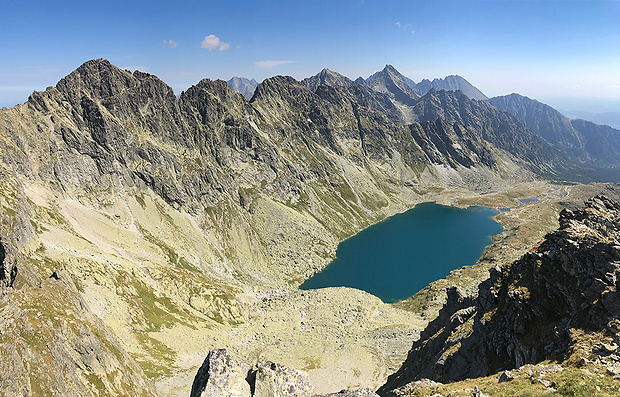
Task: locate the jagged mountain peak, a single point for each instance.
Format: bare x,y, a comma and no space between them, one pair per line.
327,77
390,69
280,87
98,79
219,88
391,82
243,86
99,76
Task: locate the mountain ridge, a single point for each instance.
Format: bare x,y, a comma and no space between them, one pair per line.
585,142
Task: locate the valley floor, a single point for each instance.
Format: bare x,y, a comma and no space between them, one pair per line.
345,338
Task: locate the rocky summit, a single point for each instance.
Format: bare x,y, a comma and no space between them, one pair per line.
141,230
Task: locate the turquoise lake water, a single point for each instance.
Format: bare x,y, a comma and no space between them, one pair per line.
399,256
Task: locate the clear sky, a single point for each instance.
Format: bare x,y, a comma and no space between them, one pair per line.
542,49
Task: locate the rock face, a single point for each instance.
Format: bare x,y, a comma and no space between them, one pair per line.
536,309
601,142
219,376
276,380
8,272
496,127
547,122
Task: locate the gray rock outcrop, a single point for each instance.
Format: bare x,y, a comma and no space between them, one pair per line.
220,376
276,380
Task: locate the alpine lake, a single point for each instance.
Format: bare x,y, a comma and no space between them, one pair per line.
399,256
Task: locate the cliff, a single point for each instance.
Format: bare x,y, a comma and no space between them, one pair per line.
559,302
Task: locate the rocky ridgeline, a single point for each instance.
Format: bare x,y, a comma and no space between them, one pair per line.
559,302
221,376
582,141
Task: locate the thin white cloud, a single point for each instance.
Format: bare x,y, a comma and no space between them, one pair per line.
405,26
170,43
211,42
271,64
614,86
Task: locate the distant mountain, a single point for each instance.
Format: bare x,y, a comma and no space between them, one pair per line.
547,122
389,81
581,140
601,142
364,95
611,119
449,83
499,128
243,86
327,77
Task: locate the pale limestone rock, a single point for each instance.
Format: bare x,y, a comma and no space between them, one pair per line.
275,380
220,376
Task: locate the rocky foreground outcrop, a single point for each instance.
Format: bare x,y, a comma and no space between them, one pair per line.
559,302
221,376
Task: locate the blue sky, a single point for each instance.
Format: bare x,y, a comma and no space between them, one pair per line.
542,49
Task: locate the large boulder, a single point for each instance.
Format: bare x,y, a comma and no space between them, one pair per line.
220,376
276,380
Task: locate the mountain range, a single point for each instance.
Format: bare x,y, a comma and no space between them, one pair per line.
594,147
140,229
